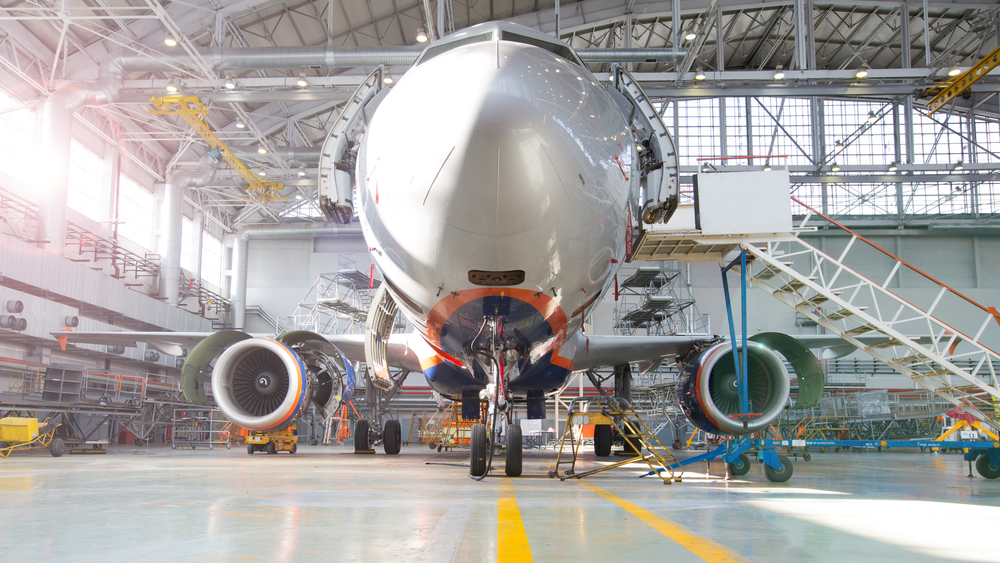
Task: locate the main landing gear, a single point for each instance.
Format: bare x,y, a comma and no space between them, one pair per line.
489,347
365,438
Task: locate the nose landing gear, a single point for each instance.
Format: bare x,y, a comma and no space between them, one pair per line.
500,413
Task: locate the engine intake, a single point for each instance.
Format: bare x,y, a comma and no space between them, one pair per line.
260,384
708,394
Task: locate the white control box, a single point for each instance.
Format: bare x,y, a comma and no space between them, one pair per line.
742,203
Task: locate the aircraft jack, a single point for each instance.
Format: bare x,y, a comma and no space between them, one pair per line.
618,414
283,440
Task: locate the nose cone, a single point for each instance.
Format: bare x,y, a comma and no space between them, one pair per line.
497,154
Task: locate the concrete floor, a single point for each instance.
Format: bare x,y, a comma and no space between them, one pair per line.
326,504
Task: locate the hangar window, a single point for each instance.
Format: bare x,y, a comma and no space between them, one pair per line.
85,170
187,231
17,130
135,210
211,261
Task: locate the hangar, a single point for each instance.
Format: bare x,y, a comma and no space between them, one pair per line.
280,276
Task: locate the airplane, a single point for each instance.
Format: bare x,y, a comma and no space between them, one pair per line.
498,184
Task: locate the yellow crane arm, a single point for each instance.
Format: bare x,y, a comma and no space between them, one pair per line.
953,87
191,110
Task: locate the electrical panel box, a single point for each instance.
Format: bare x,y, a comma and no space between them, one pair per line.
16,430
743,203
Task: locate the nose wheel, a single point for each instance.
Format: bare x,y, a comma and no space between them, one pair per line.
486,437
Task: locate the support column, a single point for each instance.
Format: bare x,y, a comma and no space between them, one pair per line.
109,185
897,147
197,239
749,122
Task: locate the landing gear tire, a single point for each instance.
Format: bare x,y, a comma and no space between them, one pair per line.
602,440
251,449
477,459
271,448
514,451
313,442
361,437
58,448
740,466
392,437
776,476
986,469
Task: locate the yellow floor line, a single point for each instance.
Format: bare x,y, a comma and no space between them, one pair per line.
705,548
512,541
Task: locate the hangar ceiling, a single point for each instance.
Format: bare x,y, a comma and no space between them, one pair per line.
44,44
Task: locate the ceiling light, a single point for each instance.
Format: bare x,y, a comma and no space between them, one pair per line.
387,78
862,72
262,173
169,41
839,146
302,171
298,196
835,167
704,167
700,75
239,125
690,36
872,118
230,85
261,149
302,82
767,167
893,167
958,165
421,36
954,71
171,87
779,73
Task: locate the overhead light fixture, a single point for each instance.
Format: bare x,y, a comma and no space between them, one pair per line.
387,78
169,41
298,196
171,87
302,82
262,173
862,72
779,72
690,36
261,149
700,75
872,118
240,125
302,171
421,36
230,85
839,146
704,167
893,167
954,71
767,167
958,165
835,167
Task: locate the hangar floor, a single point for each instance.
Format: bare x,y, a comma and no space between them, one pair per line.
326,504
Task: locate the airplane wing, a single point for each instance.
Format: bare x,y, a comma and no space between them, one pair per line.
605,351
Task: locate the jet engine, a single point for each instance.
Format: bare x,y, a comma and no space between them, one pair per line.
708,393
263,384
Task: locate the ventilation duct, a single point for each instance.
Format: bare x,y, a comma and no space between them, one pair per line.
14,306
173,200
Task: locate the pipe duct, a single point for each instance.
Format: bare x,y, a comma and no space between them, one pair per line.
238,284
173,201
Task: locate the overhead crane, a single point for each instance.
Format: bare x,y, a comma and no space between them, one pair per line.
191,110
955,86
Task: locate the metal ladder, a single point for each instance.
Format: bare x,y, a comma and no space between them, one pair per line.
953,363
629,425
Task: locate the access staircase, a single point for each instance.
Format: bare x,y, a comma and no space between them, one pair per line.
955,362
629,425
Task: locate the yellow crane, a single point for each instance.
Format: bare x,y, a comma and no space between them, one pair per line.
191,110
955,86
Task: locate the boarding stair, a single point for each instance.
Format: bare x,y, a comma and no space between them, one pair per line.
627,423
956,362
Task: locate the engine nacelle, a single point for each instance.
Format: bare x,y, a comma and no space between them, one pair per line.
708,394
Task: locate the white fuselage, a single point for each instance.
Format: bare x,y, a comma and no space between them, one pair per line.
497,156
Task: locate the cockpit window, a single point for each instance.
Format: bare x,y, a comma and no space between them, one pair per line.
550,46
434,51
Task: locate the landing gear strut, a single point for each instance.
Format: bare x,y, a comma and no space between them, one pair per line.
499,413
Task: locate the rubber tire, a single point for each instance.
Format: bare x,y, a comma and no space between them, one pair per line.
602,440
295,448
313,442
477,453
361,436
779,476
57,447
250,449
986,469
271,448
515,451
392,437
740,467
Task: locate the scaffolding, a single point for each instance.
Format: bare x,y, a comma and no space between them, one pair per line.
338,303
656,300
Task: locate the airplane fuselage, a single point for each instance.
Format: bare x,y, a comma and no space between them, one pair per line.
495,179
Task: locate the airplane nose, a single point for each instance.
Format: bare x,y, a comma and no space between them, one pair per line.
497,153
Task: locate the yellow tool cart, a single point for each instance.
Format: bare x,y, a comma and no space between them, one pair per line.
273,442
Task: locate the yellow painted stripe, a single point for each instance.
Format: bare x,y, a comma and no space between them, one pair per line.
512,541
705,548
